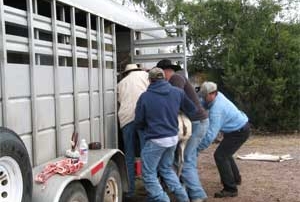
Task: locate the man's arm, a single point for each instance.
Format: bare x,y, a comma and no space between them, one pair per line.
177,80
215,124
187,106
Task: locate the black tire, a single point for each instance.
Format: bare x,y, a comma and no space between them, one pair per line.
110,187
74,192
14,158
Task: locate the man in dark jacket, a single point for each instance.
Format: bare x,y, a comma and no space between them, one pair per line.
200,122
156,114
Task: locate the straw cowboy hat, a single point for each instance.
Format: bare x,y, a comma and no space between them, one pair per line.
131,67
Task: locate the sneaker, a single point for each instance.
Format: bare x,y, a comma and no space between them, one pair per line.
224,193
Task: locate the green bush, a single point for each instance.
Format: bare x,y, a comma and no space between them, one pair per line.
259,59
267,85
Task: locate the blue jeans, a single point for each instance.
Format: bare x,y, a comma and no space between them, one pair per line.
189,174
157,159
129,138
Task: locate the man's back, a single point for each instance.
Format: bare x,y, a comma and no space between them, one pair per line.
183,83
160,105
129,90
232,118
155,113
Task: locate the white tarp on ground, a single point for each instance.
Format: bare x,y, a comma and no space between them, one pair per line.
265,157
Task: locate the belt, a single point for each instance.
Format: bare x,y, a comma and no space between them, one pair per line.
242,129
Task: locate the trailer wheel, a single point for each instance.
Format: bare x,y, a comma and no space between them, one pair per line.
15,168
74,192
110,188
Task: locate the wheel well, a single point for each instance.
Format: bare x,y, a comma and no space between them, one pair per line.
119,159
88,188
3,129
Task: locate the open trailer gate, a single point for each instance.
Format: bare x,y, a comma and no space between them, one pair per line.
149,45
59,62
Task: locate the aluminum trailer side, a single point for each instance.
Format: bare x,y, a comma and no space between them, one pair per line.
59,62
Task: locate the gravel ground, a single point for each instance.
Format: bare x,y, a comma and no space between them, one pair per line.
261,180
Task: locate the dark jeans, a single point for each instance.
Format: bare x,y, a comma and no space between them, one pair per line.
129,139
228,170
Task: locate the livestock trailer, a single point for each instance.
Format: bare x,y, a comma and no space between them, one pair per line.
60,62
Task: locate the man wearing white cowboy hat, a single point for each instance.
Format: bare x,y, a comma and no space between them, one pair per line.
129,89
130,68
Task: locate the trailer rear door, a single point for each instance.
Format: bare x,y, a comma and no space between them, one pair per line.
153,44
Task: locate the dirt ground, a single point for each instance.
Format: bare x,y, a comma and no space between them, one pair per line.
262,181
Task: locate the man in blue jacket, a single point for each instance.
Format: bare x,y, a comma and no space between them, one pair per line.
156,114
224,116
189,175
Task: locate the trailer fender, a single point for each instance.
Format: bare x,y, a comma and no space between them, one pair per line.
90,175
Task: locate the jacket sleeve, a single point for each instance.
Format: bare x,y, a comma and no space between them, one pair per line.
178,81
187,106
139,119
215,123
